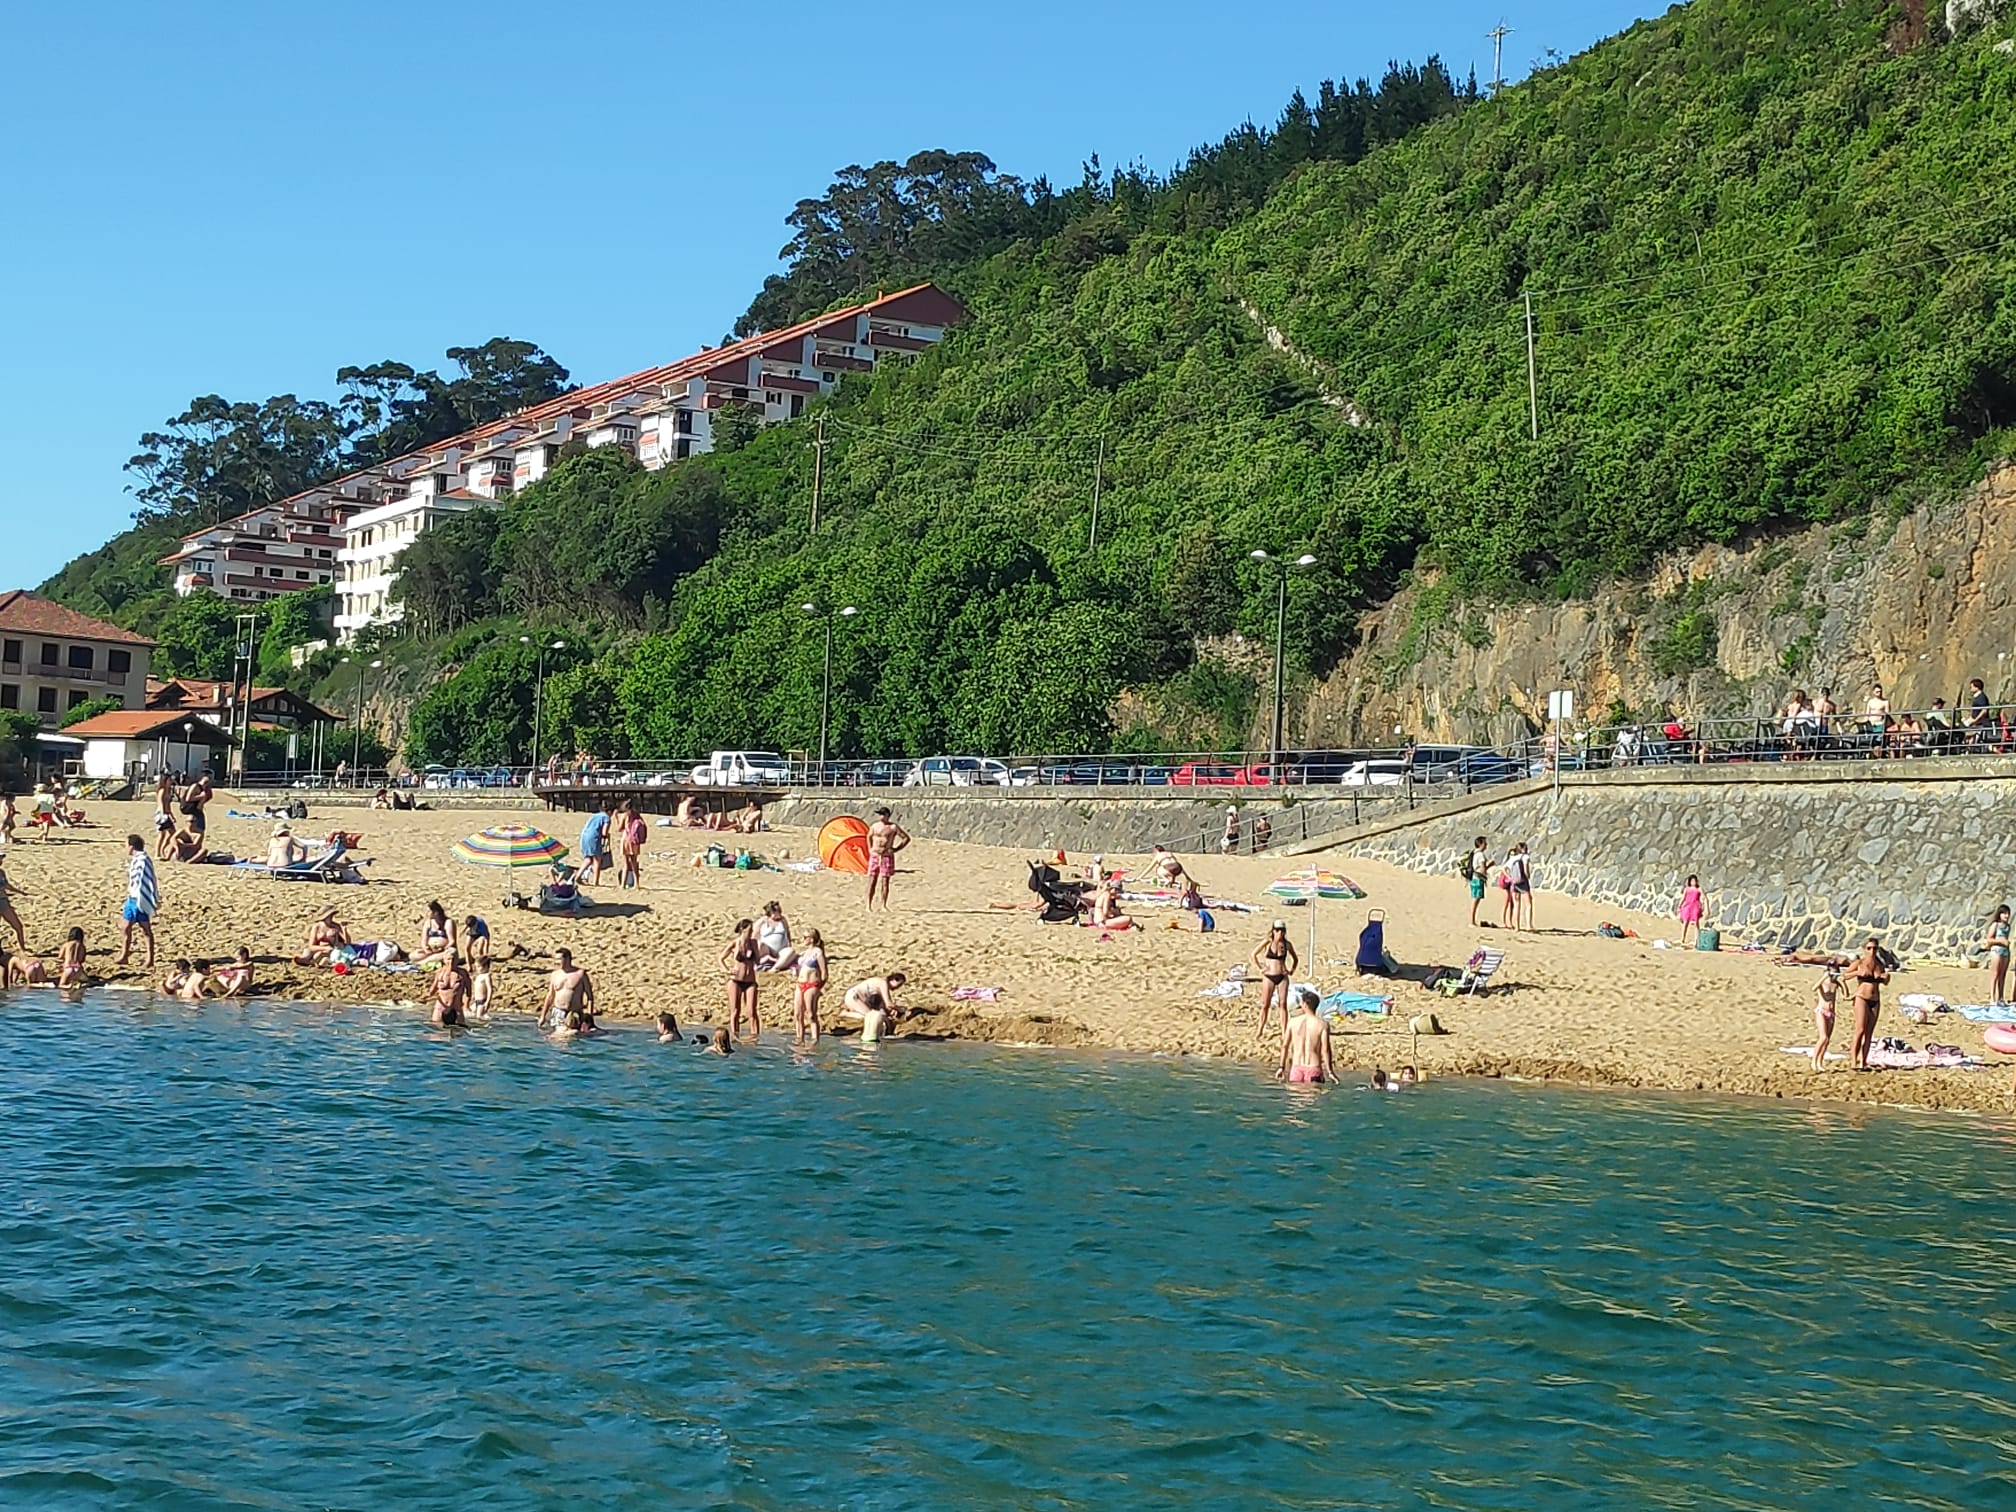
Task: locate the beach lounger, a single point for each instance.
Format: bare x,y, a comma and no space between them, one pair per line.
333,865
1477,975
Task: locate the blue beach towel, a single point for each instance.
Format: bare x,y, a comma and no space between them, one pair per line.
1356,1002
1988,1013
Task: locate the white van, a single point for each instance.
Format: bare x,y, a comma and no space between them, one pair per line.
743,769
959,771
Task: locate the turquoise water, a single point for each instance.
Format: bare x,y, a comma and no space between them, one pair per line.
269,1256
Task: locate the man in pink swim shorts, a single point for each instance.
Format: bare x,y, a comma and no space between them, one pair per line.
885,838
1306,1054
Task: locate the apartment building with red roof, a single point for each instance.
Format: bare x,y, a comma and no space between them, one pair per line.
52,658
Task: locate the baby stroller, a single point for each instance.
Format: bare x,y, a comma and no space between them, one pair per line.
1372,945
560,893
1061,900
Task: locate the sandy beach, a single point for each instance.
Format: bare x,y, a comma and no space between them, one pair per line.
1569,1004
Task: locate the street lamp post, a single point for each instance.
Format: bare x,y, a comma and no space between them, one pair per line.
539,694
357,729
1280,642
826,676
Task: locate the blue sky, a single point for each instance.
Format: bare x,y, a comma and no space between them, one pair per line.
239,199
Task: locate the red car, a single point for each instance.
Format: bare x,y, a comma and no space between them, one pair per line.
1219,774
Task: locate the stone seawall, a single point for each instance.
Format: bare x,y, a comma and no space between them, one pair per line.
1805,856
1041,819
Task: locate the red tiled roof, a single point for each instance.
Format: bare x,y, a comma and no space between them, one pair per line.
924,303
146,724
31,614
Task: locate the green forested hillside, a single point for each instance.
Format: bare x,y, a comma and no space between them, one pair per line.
1768,257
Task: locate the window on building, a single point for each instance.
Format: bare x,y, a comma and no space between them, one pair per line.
81,659
119,662
11,651
51,656
321,577
302,574
45,700
77,696
684,424
10,695
829,377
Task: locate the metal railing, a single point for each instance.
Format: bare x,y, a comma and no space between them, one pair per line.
1406,775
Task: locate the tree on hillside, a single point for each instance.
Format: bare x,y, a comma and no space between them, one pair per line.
448,576
219,458
197,637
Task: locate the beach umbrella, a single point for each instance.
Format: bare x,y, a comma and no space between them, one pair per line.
1309,884
509,846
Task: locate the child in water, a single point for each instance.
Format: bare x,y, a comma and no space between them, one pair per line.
668,1030
234,977
1692,907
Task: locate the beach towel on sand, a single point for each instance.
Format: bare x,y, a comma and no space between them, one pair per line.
1988,1013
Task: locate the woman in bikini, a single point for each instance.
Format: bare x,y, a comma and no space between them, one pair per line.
739,960
811,969
324,935
1996,943
630,843
437,935
70,961
1275,960
1868,976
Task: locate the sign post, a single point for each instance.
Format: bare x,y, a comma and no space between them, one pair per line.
1560,707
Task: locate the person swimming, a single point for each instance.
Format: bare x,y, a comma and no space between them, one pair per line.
668,1030
721,1044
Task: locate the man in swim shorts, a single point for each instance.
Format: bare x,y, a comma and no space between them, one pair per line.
451,992
568,990
885,838
1306,1053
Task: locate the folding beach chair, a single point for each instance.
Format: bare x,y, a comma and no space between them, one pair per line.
333,865
1477,975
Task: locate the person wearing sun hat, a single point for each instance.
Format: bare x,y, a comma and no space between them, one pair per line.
284,849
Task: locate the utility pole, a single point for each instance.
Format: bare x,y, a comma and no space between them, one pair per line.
1498,34
1098,478
818,469
1532,371
247,651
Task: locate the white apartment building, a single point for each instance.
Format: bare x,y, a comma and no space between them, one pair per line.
350,532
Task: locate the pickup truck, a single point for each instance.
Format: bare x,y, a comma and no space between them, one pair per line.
742,769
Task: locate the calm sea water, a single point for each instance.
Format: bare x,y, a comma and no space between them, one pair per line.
268,1256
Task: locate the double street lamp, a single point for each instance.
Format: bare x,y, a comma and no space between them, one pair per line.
1282,566
826,677
539,691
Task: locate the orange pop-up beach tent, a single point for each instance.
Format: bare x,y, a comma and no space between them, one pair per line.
843,845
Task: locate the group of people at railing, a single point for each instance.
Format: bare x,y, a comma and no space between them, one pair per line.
1806,728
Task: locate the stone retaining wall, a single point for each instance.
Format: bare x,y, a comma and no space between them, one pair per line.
1042,820
1812,856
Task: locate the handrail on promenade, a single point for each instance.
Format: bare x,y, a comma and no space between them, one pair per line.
1238,776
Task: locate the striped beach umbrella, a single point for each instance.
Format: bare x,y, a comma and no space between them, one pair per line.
510,846
1315,882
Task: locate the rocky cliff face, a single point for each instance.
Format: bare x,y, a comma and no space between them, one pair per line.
1919,603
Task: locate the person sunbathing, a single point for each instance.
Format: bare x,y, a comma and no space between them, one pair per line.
324,935
283,849
234,977
1106,912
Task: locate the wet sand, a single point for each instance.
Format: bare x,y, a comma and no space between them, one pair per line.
1569,1005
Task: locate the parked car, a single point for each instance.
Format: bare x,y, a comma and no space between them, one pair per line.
1211,774
1437,763
434,775
1300,768
1381,772
957,771
743,769
1487,768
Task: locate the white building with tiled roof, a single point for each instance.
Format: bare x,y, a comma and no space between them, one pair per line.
659,416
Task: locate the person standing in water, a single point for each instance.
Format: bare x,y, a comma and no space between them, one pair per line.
810,965
451,991
568,990
885,838
1274,958
739,960
1306,1052
1692,907
1867,975
1996,942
